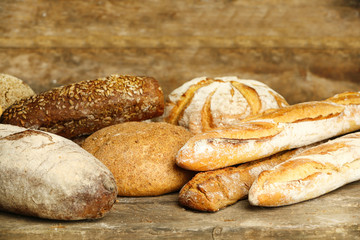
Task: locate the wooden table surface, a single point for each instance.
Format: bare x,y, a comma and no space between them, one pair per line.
335,215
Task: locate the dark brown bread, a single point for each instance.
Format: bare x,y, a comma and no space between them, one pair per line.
85,107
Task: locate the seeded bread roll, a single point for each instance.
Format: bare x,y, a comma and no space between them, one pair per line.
141,155
281,129
312,173
12,89
85,107
206,103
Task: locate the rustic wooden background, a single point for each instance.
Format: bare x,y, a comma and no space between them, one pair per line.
304,49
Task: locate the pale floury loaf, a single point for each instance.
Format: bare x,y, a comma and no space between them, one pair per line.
48,176
281,129
310,174
206,103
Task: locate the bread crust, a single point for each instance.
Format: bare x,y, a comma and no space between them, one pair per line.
275,131
47,176
214,190
206,103
85,107
310,174
141,155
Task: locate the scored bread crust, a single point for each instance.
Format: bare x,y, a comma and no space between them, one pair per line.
214,190
45,175
85,107
312,173
206,103
278,130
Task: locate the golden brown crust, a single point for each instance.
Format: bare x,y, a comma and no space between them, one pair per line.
141,155
274,131
312,173
204,103
184,101
213,190
82,108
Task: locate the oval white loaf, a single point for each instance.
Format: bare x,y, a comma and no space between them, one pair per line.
202,104
312,173
48,176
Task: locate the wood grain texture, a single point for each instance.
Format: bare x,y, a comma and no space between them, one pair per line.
333,216
314,44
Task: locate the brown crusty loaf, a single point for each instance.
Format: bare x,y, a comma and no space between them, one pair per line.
141,155
206,103
281,129
85,107
48,176
12,89
310,174
213,190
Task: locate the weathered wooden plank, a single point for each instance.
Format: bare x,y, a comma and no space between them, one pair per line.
190,23
333,216
298,74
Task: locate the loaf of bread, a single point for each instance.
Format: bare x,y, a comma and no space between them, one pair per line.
85,107
310,174
12,89
206,103
214,190
141,155
278,130
48,176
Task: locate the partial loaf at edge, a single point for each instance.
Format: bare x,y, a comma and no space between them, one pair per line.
312,173
85,107
12,89
47,176
281,129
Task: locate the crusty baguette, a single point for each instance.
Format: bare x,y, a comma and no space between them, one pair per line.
85,107
310,174
213,190
203,103
45,175
278,130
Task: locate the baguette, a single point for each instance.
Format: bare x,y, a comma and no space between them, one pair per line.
278,130
82,108
312,173
213,190
47,176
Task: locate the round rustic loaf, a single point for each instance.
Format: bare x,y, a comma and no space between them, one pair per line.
12,89
141,156
206,103
85,107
